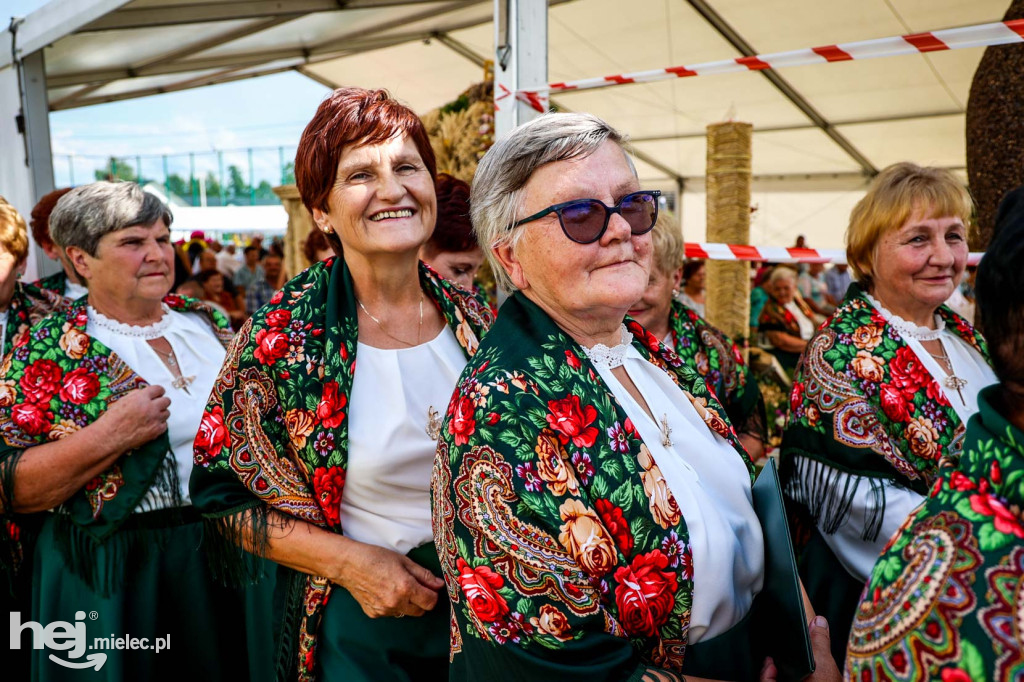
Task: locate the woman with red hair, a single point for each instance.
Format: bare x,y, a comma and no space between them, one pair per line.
65,282
320,468
452,249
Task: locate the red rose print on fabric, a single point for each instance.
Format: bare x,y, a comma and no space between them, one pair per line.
616,524
645,594
462,425
33,419
480,586
330,410
908,373
328,484
80,386
572,421
894,404
41,381
271,346
213,434
279,318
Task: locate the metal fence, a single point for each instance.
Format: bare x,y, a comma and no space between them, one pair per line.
227,177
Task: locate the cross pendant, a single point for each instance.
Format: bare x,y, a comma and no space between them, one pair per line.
183,383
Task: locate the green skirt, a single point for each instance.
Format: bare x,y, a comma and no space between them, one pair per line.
352,647
169,599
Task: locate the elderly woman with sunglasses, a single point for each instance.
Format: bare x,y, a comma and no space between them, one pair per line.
592,505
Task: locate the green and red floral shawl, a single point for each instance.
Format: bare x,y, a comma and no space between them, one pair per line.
275,432
565,554
54,283
863,404
719,361
56,381
945,599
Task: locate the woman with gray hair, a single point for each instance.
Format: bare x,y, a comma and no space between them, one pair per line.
592,505
100,408
786,321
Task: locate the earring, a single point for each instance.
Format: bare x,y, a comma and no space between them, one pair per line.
675,293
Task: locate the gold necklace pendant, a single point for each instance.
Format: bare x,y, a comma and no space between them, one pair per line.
183,383
666,432
433,423
956,383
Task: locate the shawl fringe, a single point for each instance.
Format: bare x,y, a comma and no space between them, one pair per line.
828,493
291,623
13,535
105,563
235,541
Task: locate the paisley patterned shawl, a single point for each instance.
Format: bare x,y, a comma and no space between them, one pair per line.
946,598
863,404
275,431
564,552
720,363
56,381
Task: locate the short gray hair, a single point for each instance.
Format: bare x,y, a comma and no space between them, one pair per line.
782,272
86,213
497,194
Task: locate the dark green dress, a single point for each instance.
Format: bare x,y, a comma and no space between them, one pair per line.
946,598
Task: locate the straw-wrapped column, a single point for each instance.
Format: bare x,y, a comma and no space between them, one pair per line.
728,211
300,223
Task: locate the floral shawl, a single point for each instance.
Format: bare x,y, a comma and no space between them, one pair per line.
564,552
775,317
56,381
275,432
944,599
719,362
54,283
863,404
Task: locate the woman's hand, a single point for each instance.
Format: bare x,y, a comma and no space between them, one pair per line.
786,342
47,475
137,418
386,583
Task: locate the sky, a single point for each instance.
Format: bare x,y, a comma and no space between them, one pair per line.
267,112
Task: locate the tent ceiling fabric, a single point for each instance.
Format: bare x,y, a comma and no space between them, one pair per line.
909,107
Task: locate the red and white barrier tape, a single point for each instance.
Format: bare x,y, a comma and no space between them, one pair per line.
979,35
776,254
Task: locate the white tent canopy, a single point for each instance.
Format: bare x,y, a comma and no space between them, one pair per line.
820,131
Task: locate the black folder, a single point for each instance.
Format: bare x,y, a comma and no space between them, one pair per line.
779,623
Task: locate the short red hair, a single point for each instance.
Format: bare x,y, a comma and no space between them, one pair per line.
352,116
40,222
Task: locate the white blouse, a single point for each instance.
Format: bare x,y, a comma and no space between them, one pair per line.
199,354
73,291
805,323
856,554
390,454
711,485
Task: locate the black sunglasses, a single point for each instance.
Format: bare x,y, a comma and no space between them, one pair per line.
585,220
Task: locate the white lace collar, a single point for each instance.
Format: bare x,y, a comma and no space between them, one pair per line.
152,331
907,329
603,356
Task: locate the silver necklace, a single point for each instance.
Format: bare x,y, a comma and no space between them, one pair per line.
952,381
180,381
419,329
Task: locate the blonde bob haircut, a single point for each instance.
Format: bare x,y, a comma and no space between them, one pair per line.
893,197
667,238
13,232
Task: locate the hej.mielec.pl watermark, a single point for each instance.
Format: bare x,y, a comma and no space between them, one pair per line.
71,638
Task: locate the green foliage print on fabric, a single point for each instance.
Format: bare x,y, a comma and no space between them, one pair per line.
559,534
720,363
278,416
945,605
